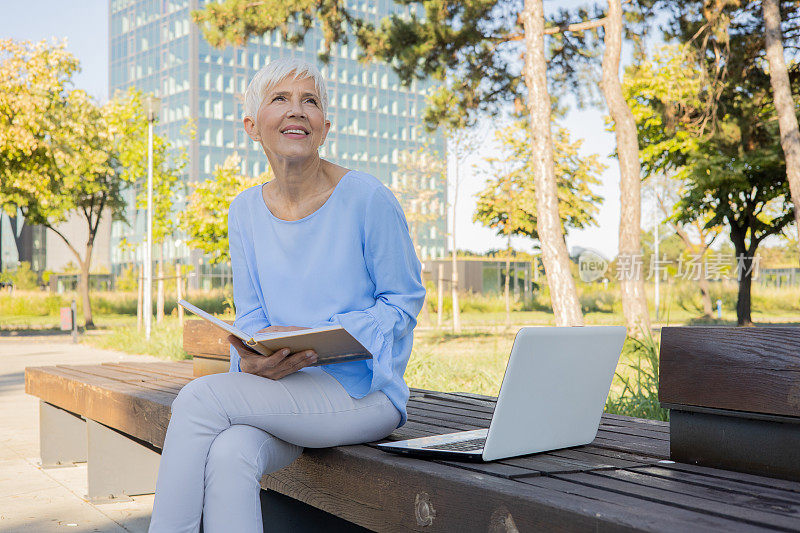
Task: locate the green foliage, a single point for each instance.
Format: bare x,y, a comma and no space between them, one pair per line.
639,396
31,304
127,280
23,277
508,203
721,139
205,219
168,164
62,154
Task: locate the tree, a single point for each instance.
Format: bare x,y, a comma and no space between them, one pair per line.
563,293
634,302
61,154
784,103
697,235
660,91
205,219
463,143
508,203
467,44
731,40
168,164
419,176
731,162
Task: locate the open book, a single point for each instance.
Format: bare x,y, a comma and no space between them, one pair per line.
333,344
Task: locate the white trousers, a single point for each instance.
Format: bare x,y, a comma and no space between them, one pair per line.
228,430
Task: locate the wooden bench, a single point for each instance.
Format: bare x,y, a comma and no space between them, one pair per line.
623,480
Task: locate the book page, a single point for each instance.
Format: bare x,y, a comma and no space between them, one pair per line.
216,321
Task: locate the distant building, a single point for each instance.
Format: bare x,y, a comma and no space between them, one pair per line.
155,47
484,275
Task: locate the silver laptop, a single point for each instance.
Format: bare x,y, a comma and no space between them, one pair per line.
553,393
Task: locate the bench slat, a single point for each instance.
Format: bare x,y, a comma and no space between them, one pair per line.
726,504
139,412
382,490
637,512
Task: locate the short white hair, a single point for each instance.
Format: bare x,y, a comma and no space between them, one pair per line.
273,73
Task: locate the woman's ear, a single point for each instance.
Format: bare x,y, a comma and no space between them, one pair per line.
250,128
325,133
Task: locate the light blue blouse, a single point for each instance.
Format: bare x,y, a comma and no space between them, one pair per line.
350,263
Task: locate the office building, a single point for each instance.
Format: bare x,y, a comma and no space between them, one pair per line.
155,47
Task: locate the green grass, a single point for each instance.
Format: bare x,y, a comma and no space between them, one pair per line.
166,340
634,391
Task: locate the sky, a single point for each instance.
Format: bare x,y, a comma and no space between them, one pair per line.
84,24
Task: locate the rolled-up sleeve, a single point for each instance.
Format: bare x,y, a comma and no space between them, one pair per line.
399,293
250,316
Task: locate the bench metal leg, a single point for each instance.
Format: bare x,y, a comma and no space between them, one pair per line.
62,436
118,465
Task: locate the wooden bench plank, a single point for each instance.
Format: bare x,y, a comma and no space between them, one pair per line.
756,491
384,490
141,413
178,369
760,370
724,504
751,479
121,377
642,513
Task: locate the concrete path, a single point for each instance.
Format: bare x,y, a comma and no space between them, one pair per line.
39,500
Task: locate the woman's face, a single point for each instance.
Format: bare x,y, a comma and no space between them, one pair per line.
289,123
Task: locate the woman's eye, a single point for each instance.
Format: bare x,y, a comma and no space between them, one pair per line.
278,97
312,100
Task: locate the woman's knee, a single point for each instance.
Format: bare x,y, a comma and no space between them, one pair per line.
249,451
236,447
195,394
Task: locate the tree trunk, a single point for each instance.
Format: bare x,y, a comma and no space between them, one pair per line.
84,289
784,104
744,276
17,225
705,297
634,302
507,295
563,294
160,287
140,300
454,276
440,295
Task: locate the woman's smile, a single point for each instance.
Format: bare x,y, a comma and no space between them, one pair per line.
294,131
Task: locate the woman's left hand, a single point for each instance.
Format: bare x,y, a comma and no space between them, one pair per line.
276,365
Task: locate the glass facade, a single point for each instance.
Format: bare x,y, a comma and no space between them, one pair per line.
155,47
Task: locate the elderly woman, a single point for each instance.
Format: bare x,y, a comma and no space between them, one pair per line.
318,245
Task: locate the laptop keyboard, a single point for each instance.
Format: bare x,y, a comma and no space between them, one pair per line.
462,446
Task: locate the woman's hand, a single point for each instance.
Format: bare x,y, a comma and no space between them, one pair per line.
277,365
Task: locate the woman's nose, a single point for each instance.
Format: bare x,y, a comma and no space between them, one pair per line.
296,109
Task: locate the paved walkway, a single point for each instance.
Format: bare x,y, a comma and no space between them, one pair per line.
43,500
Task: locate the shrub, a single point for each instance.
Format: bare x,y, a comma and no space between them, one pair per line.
24,278
596,299
128,280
